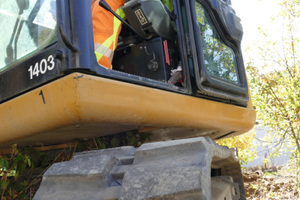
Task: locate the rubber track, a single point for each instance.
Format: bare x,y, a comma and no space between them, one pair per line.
179,169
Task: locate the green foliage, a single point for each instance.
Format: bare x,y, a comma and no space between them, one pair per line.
18,178
275,80
21,171
247,153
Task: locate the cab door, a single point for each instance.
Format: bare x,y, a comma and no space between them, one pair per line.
215,34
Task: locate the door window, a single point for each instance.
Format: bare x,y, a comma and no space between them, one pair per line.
219,59
27,26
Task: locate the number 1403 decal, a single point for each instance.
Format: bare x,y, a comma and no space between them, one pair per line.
42,67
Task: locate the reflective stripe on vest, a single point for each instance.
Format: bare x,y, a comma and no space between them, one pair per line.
101,50
104,48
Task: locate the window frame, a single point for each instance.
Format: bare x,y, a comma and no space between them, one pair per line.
207,84
18,79
20,32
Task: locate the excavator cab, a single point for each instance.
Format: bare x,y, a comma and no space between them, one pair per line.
180,71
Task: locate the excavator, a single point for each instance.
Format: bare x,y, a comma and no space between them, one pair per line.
178,75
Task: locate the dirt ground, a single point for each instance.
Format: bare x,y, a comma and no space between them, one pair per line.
263,186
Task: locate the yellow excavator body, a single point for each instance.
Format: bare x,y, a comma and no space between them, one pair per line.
84,106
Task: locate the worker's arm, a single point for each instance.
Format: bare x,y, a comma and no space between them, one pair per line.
106,29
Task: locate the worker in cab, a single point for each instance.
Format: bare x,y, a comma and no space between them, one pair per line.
106,29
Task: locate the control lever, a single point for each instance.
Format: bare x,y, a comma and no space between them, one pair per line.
105,5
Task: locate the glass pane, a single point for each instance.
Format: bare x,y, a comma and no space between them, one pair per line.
27,27
219,59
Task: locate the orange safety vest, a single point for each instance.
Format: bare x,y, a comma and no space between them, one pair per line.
106,29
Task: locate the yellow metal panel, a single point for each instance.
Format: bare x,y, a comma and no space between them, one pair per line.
119,102
87,99
28,115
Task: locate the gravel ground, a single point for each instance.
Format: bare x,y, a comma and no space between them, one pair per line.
273,186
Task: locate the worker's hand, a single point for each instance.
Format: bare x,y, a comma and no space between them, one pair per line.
92,1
